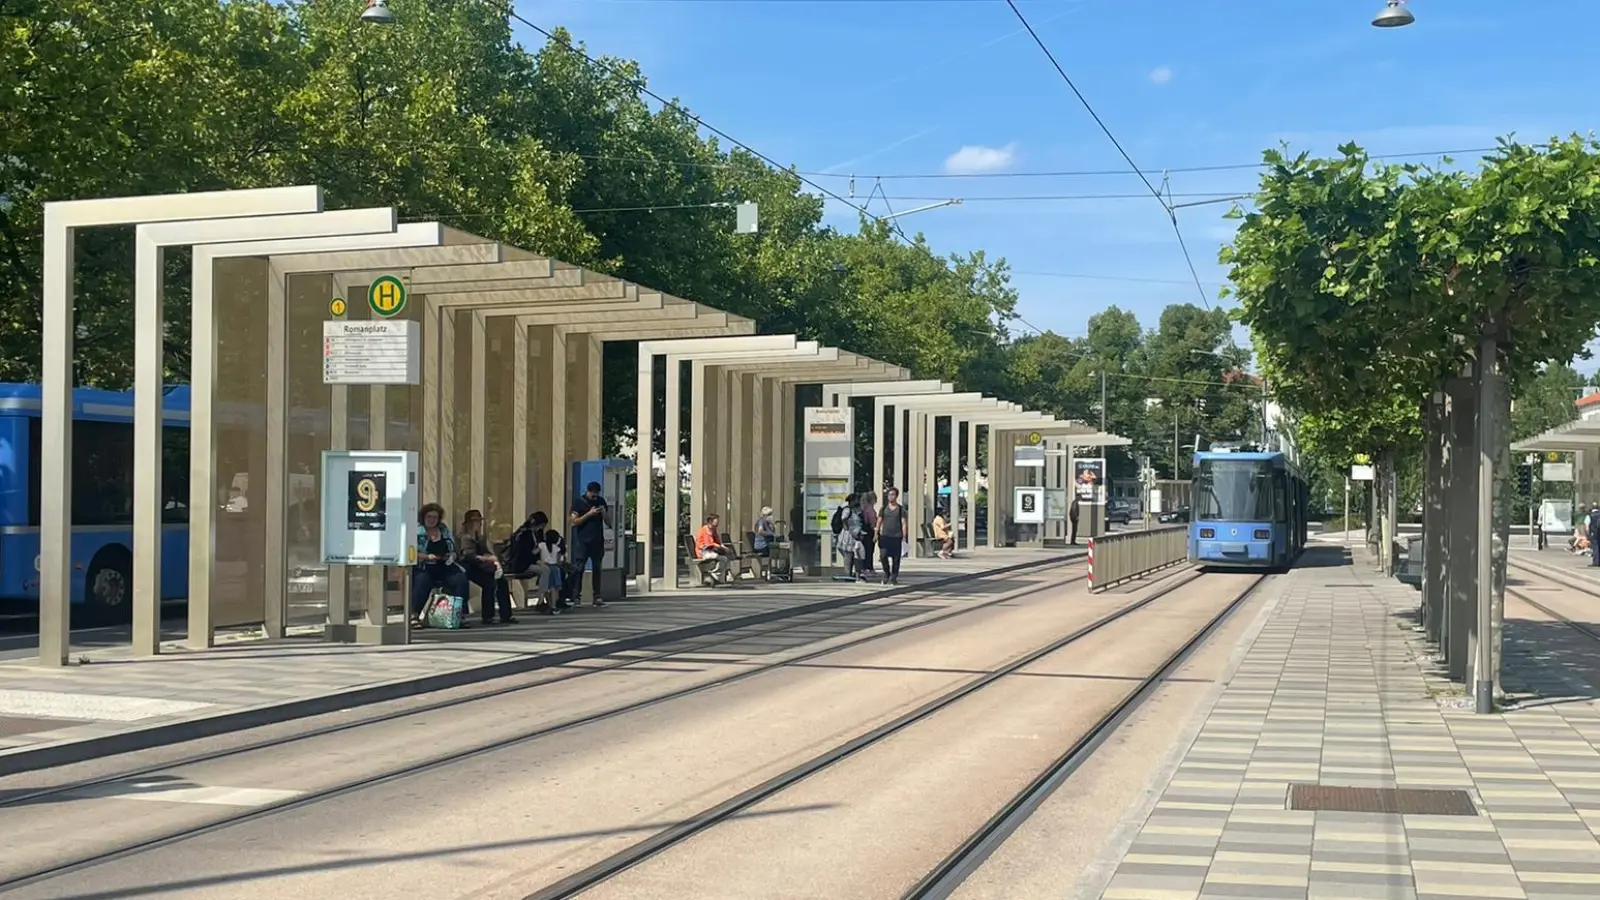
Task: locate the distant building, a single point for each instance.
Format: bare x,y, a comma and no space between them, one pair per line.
1589,404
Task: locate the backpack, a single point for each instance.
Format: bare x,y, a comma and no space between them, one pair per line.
838,520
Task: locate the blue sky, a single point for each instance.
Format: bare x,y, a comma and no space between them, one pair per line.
904,87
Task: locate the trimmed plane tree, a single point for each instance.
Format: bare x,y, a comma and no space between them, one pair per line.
1368,286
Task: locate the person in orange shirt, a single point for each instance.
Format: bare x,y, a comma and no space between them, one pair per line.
708,545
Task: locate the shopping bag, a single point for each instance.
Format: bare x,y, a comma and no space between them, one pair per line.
905,548
444,611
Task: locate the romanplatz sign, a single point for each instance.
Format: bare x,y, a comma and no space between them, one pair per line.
382,352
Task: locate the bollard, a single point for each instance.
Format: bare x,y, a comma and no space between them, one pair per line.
1091,563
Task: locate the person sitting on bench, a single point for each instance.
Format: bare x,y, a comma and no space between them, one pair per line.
943,536
708,545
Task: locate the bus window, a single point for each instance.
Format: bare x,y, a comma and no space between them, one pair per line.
102,473
35,453
175,475
13,470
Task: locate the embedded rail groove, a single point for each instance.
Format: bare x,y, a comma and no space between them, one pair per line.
71,752
720,639
1580,627
947,877
314,797
614,865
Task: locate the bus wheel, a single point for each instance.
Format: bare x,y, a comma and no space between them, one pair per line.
108,587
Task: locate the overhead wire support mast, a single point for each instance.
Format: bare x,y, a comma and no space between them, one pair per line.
1171,213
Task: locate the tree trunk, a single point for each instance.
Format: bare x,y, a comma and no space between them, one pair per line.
1391,513
1505,503
1461,510
1436,469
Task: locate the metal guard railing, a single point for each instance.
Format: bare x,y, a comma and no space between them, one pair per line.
1115,558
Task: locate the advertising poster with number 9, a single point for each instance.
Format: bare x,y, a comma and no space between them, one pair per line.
369,501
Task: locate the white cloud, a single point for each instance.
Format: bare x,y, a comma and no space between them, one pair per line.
1160,75
979,160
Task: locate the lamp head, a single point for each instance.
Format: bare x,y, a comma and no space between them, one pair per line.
1394,15
377,13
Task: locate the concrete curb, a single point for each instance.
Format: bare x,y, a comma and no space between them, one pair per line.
44,756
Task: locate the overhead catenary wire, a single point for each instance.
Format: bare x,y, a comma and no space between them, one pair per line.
1049,173
698,121
1154,191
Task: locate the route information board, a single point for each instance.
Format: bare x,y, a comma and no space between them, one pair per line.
371,352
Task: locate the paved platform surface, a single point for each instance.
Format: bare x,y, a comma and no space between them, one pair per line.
1339,689
113,693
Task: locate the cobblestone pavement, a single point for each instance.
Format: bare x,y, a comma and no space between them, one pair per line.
1338,689
109,691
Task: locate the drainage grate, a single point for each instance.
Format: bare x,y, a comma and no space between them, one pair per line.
1390,801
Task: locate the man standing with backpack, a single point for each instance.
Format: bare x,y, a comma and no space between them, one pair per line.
847,536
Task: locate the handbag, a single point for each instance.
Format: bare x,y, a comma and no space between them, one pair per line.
444,611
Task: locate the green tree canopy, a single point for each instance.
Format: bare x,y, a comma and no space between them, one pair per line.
1366,284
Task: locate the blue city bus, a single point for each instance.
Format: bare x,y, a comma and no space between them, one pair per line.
102,499
1249,510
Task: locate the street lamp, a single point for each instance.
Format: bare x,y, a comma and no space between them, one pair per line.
1394,15
377,13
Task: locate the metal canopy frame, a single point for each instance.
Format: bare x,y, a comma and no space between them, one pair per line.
453,271
150,243
738,482
674,349
284,258
706,439
151,238
1580,434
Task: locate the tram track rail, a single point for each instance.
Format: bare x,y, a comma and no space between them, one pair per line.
1582,628
945,879
455,756
383,715
662,841
786,623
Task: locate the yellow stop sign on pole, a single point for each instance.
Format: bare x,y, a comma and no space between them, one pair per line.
387,296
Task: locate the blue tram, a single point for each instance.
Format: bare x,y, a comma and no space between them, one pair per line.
1248,511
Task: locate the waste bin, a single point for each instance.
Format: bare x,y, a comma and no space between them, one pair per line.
1410,572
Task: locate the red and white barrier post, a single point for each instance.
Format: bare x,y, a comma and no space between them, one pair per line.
1091,564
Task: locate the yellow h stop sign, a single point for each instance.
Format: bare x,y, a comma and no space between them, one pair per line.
386,296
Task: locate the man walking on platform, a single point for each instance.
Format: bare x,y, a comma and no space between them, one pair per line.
588,540
1594,535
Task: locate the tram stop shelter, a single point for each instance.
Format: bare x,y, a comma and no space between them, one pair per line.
497,390
1581,438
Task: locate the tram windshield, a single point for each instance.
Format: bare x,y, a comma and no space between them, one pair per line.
1233,490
